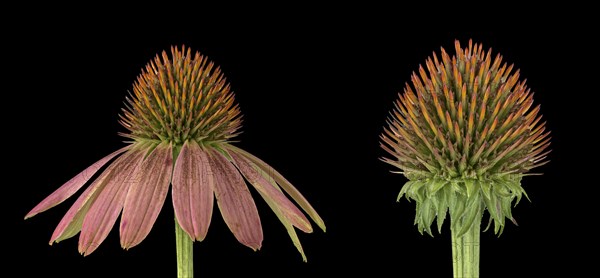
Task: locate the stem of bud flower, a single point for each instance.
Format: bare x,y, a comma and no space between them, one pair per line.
465,252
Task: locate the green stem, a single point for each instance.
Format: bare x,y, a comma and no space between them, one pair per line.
465,252
185,253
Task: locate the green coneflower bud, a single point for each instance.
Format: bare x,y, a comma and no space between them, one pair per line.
464,135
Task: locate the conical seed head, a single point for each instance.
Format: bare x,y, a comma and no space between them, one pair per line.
181,97
466,116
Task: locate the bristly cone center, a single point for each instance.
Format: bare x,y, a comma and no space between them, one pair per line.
178,98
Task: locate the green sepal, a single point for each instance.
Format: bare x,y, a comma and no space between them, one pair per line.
427,215
502,190
470,187
474,196
435,185
486,189
465,200
469,219
442,207
415,191
403,191
505,203
456,187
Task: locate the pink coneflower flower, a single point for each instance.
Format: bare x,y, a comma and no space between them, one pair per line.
181,118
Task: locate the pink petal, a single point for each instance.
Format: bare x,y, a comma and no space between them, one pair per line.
146,196
71,223
103,212
69,188
286,185
193,190
269,191
235,202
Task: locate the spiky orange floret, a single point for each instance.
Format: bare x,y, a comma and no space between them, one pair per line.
467,116
179,98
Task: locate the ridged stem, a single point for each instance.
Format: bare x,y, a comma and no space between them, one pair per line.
465,252
185,253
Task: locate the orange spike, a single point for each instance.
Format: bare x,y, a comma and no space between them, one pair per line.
493,126
475,86
439,110
505,136
499,75
508,70
436,62
470,48
533,112
423,74
446,94
460,114
483,136
467,68
463,94
482,111
496,110
457,76
518,132
410,96
506,122
537,131
417,131
449,122
486,81
457,133
470,124
444,76
496,63
475,158
457,47
467,145
176,100
537,140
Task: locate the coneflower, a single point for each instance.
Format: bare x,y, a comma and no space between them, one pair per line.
464,135
181,119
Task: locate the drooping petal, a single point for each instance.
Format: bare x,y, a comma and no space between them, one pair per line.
235,202
283,183
260,178
73,185
193,190
71,223
288,225
104,211
269,191
146,196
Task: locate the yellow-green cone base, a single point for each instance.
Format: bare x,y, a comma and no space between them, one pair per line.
465,200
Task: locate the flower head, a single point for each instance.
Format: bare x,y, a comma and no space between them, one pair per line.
464,135
181,117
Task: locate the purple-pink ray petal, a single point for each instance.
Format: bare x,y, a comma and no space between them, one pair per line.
235,202
105,210
269,191
73,185
284,184
146,196
193,190
72,221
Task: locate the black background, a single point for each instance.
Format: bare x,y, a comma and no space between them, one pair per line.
315,90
